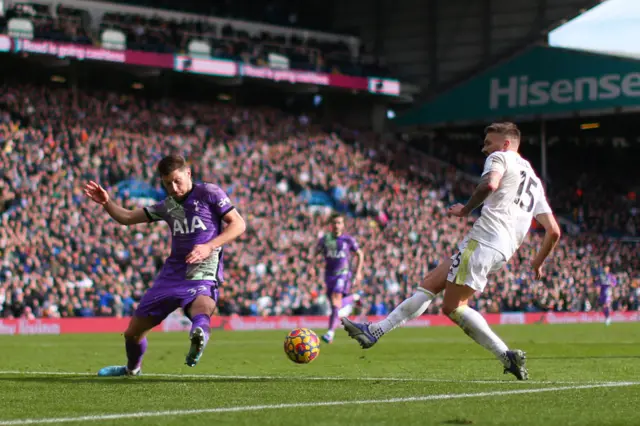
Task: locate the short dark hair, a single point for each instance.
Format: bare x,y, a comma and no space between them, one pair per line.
334,216
507,129
171,163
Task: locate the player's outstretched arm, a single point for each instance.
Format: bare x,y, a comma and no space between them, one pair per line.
551,237
123,216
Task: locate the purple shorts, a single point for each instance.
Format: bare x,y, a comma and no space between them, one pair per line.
340,284
167,296
605,296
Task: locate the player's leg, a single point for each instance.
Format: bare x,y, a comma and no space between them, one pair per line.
135,338
413,307
475,326
347,304
200,310
605,302
468,275
455,306
368,334
156,304
607,312
336,290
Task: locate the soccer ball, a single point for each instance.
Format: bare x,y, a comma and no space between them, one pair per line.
302,345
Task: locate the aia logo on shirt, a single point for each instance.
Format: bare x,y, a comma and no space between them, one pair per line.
188,227
336,254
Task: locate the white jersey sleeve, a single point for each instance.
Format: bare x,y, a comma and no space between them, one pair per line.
495,163
542,205
507,213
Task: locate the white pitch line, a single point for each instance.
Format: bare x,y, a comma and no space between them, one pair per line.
328,378
100,417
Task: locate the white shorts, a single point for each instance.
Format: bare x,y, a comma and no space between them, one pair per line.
473,262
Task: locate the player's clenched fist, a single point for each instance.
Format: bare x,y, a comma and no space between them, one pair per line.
199,253
96,193
537,269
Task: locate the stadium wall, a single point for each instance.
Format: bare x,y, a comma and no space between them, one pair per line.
178,322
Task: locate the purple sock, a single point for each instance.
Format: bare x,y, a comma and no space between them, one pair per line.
333,319
204,322
135,352
606,312
346,301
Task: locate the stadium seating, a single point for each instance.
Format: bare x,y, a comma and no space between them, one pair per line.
152,33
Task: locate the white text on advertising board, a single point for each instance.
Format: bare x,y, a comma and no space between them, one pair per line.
521,91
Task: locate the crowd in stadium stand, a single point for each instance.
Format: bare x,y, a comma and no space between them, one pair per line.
155,34
61,255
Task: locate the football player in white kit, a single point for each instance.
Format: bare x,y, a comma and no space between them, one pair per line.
512,195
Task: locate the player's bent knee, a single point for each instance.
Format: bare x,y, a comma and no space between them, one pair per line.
455,296
133,334
138,328
203,305
449,308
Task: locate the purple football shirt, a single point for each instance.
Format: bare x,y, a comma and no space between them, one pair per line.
337,253
606,282
196,220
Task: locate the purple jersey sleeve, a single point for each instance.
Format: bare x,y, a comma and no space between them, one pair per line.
353,244
156,212
219,200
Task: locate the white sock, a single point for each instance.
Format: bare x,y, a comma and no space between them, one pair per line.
411,308
330,333
476,327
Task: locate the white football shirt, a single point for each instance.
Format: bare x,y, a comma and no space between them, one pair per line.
507,213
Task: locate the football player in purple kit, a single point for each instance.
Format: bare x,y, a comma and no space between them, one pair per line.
336,247
606,280
191,274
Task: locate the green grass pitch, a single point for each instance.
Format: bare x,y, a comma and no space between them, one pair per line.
580,375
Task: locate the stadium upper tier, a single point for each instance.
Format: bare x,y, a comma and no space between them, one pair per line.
62,255
302,15
156,30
